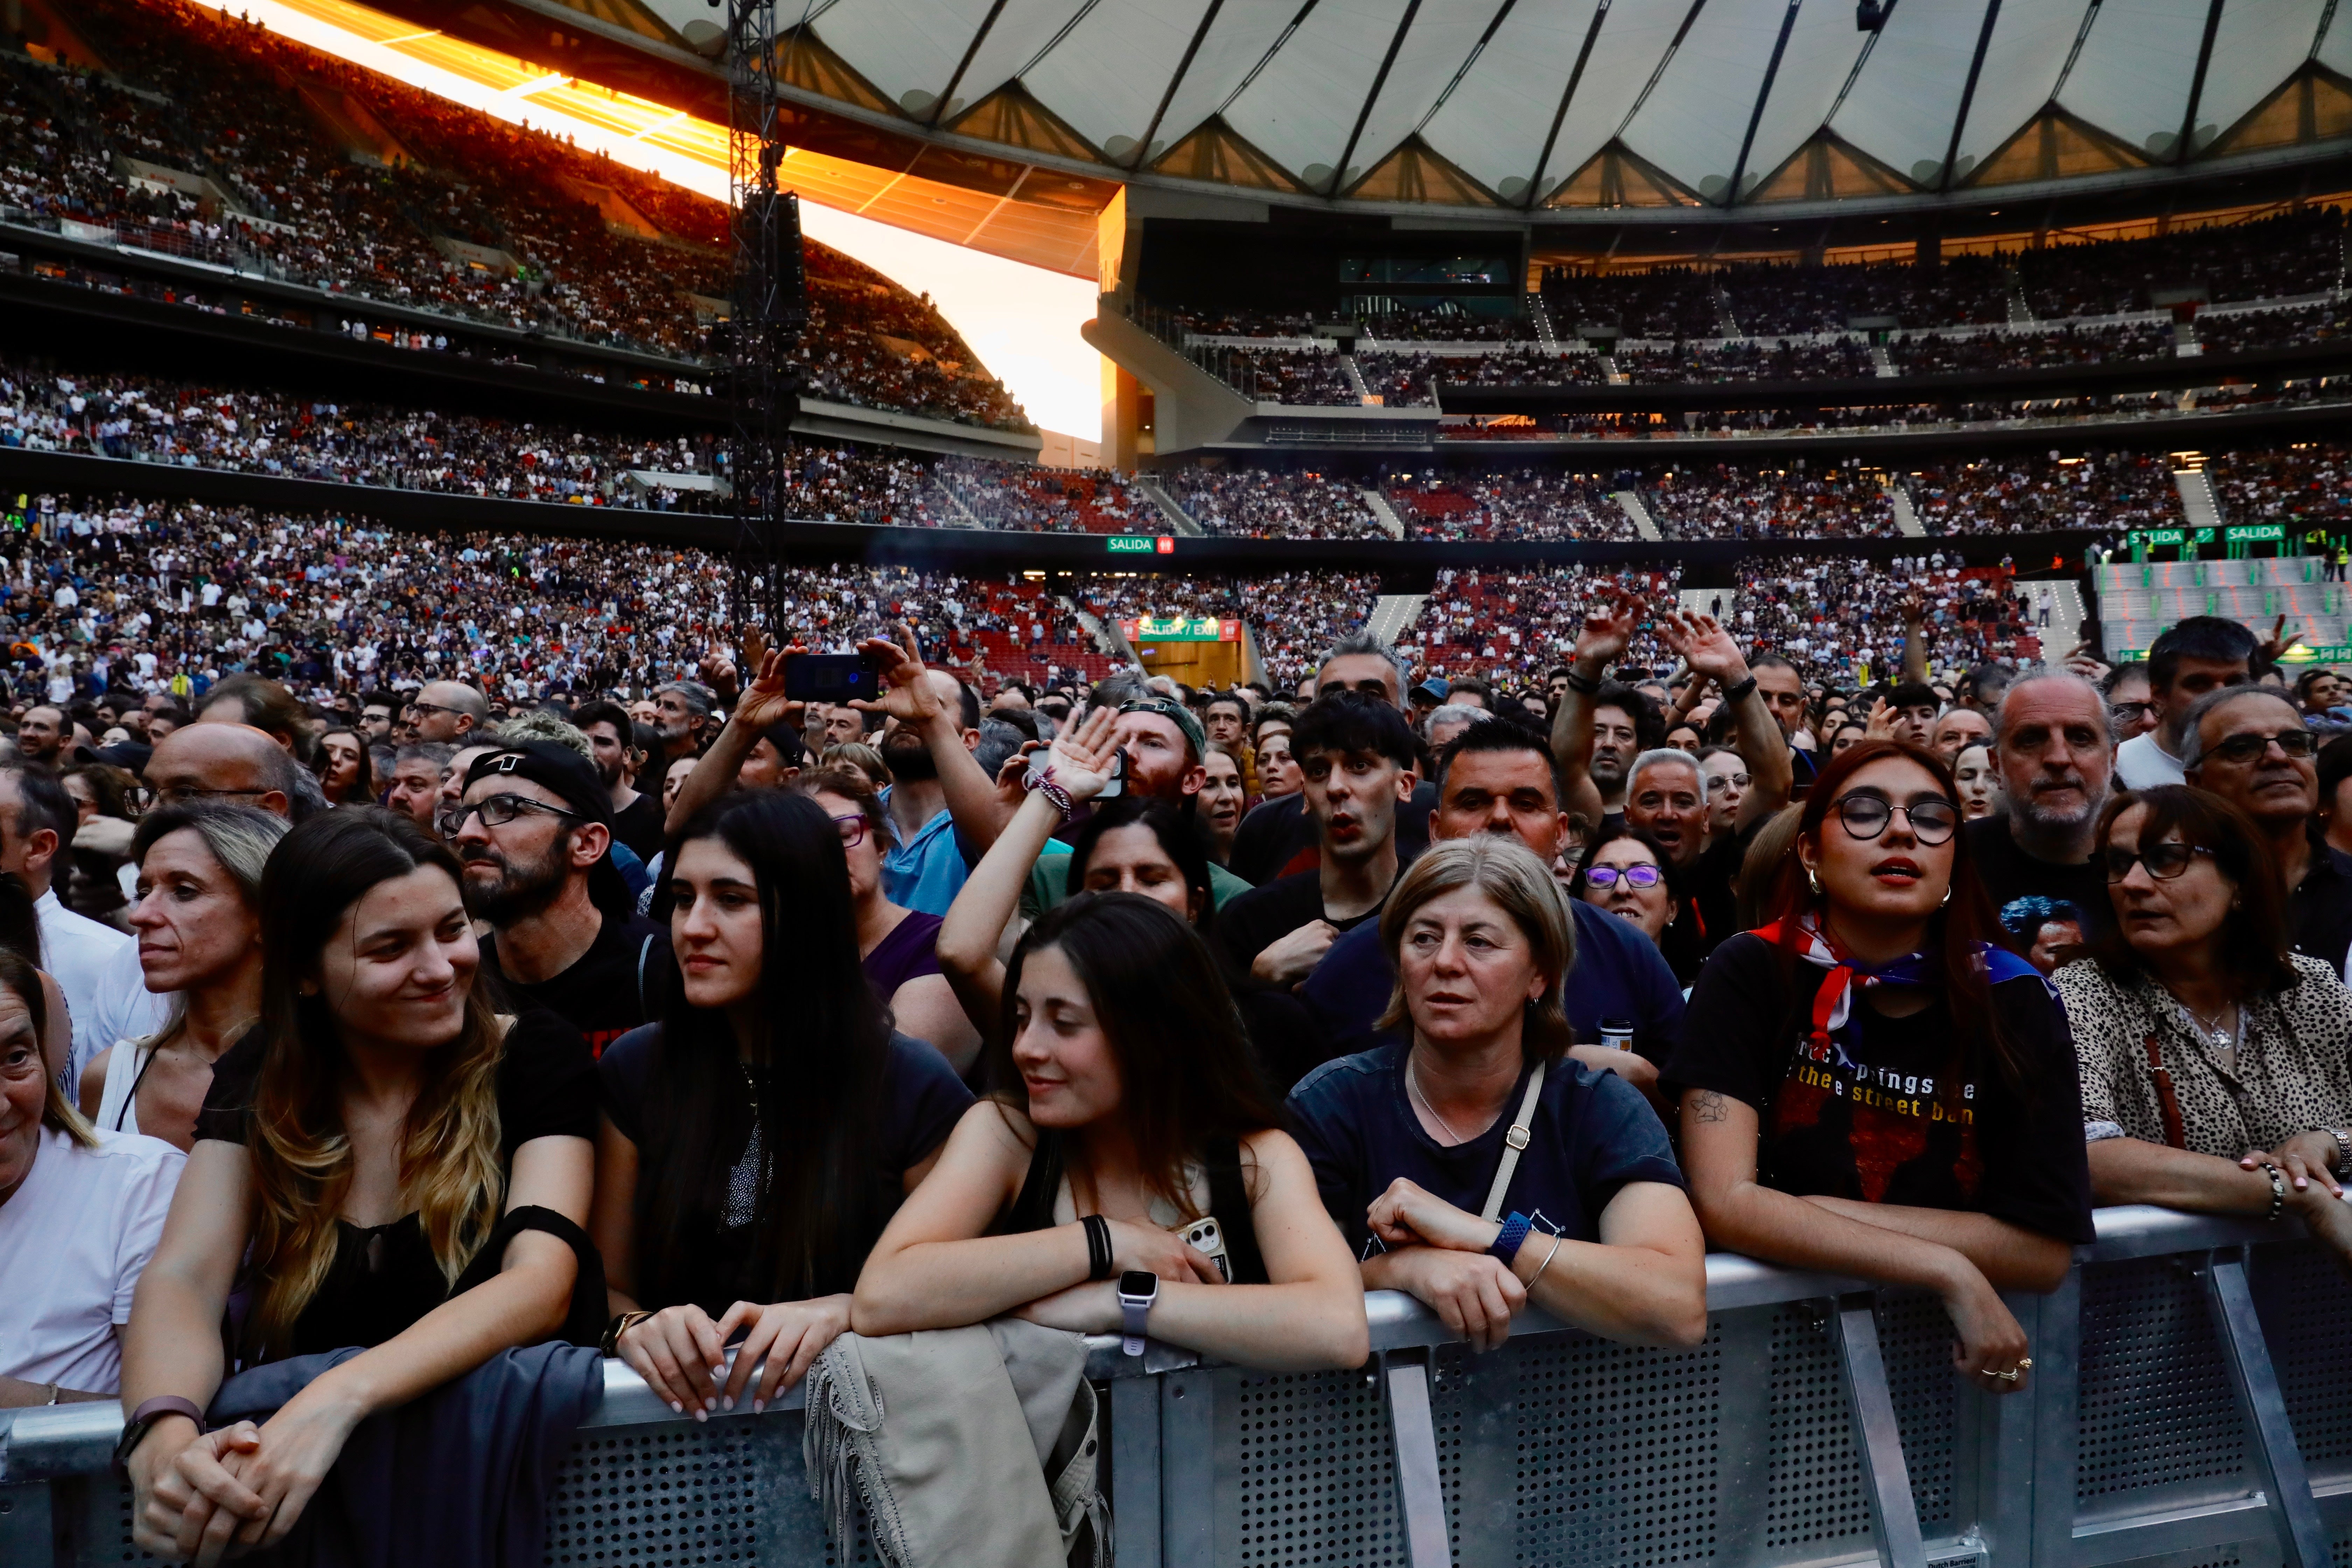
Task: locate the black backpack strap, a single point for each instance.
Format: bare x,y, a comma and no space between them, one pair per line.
1033,1210
1229,1201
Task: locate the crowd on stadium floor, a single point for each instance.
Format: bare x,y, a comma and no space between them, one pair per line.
1617,886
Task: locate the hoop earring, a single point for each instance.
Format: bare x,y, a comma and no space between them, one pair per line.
1813,880
1947,898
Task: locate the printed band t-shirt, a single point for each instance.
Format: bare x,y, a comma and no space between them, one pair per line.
1894,1111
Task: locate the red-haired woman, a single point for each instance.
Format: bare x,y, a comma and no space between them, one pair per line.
1872,1085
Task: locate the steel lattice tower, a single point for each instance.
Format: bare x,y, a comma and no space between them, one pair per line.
770,309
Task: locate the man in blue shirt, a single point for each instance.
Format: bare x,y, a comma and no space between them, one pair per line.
1498,776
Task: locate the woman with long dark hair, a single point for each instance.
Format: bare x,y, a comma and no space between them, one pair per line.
385,1162
1871,1085
346,775
1127,1164
757,1139
2215,1074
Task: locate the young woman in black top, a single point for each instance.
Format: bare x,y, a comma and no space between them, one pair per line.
1872,1085
758,1138
1125,1113
384,1161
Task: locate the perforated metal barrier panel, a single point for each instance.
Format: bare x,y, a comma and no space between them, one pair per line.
1562,1449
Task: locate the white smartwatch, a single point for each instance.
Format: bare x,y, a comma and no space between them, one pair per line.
1138,1290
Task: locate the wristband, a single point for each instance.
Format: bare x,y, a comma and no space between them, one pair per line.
1583,683
1739,693
1098,1253
2278,1191
1515,1232
143,1421
621,1324
1138,1290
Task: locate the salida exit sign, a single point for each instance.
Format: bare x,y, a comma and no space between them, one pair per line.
1139,544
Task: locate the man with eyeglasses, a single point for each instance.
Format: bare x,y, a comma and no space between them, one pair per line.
533,830
448,712
2251,746
2130,709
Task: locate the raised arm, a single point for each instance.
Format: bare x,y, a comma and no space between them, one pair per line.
1609,627
1079,761
764,704
1708,649
1947,1255
908,696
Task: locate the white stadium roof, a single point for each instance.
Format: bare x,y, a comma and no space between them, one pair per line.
1561,104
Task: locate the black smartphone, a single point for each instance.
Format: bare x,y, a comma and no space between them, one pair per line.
832,677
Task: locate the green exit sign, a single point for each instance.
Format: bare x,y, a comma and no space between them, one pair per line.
1140,544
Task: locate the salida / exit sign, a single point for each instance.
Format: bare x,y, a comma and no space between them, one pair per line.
1139,544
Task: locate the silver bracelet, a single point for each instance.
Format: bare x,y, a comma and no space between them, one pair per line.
1546,1262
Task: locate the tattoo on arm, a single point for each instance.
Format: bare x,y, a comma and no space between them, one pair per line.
1708,1106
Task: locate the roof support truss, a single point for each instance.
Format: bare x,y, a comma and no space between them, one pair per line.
947,93
1968,93
2188,143
1763,91
1143,142
1567,93
1372,95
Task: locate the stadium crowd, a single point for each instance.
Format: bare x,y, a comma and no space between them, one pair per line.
602,937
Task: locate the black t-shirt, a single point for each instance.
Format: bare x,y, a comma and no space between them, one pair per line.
618,984
1264,915
922,1099
2321,906
640,826
2009,875
1592,1132
384,1278
1896,1111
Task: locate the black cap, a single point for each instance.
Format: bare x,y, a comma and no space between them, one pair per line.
560,768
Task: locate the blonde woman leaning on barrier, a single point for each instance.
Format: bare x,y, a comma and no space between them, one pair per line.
1870,1085
1480,1168
1126,1114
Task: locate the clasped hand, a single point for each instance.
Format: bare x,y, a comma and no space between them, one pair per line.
1439,1255
682,1354
243,1488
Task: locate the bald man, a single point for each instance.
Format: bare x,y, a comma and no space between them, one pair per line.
449,711
233,763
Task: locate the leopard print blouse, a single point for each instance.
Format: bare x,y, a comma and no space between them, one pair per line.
2294,1066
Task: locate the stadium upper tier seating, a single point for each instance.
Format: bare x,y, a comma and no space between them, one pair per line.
209,137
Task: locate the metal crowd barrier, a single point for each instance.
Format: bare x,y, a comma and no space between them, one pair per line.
2191,1406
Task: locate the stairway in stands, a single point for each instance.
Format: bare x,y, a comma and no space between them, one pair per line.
1355,376
1906,516
1644,524
1382,512
1542,318
2138,600
1392,614
1177,518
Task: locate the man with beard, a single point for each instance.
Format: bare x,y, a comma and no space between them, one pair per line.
636,818
682,713
533,830
2251,746
2057,760
1600,727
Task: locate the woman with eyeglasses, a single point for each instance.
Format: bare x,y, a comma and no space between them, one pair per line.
2214,1057
757,1139
1870,1086
1627,873
898,947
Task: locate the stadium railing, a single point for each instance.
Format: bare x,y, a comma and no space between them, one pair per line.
2191,1403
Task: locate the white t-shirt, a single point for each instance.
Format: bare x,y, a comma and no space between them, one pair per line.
2141,764
73,1240
85,959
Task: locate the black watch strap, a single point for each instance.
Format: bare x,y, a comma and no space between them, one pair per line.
143,1421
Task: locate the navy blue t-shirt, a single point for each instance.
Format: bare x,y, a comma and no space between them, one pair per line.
1618,973
1592,1133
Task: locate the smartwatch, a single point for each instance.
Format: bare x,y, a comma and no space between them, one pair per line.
143,1421
1138,1290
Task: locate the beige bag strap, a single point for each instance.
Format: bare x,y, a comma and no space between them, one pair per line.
1514,1141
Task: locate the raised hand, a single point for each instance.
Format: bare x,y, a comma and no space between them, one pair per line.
720,672
907,692
2274,646
1700,641
1082,756
1880,725
763,702
1609,627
